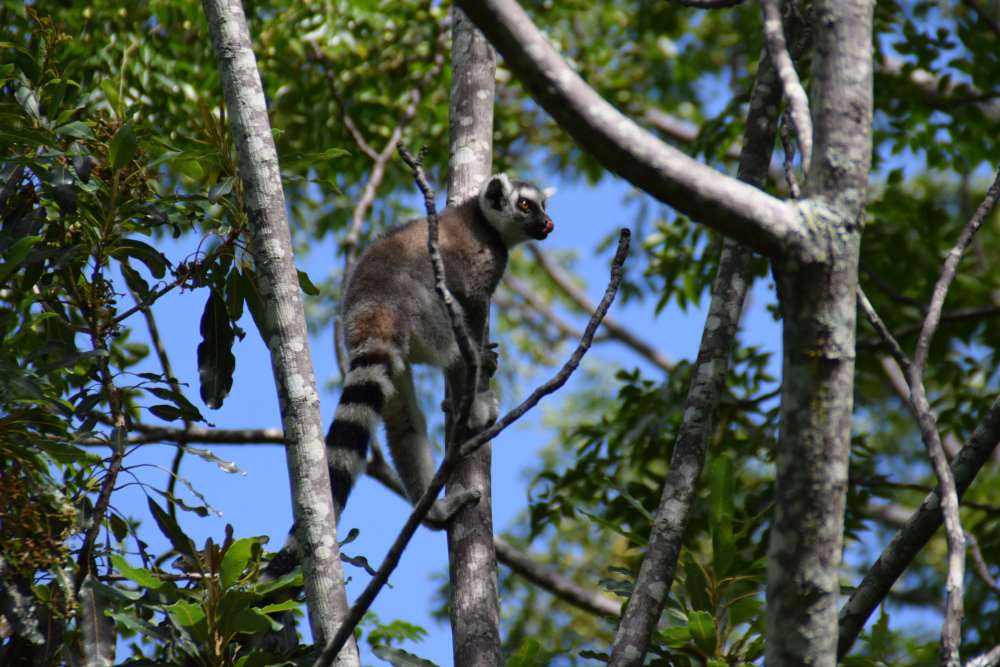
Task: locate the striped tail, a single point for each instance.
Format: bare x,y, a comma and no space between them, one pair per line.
367,387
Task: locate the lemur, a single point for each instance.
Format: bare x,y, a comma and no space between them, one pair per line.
393,318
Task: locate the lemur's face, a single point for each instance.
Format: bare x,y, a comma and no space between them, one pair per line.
516,209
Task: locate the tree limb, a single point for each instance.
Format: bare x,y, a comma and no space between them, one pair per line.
909,540
764,223
454,454
287,336
729,289
614,328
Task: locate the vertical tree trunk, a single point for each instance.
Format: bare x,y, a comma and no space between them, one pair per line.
732,280
286,334
475,606
817,295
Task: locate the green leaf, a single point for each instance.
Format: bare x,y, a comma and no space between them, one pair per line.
675,637
188,616
154,260
111,93
702,627
216,362
135,282
237,615
15,255
248,287
306,284
167,413
75,130
290,580
400,658
124,147
180,541
191,168
287,605
139,575
235,560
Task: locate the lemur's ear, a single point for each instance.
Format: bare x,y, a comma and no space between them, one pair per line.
497,192
547,193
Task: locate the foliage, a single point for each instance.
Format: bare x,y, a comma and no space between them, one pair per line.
114,141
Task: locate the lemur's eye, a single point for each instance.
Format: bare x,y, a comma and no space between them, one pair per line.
523,204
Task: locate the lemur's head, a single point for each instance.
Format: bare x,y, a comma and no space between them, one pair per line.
516,209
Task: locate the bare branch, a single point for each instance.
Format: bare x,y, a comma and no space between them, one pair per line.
562,587
887,338
990,659
615,329
743,212
909,540
948,272
729,289
295,380
982,569
454,454
798,103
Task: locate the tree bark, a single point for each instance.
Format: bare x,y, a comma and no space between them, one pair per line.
732,280
817,298
472,567
286,335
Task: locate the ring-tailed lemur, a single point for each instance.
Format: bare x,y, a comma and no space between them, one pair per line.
393,317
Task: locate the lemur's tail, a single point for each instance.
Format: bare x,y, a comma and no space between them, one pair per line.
367,387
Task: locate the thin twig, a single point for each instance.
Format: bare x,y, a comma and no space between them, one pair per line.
470,355
982,569
884,334
948,272
951,629
454,455
798,103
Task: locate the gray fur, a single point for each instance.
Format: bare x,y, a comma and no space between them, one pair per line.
391,311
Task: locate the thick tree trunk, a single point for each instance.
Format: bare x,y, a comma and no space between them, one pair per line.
817,293
286,334
475,606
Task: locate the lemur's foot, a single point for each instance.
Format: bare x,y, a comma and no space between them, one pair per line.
485,410
445,508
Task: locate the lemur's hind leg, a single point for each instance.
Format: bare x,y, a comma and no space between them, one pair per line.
406,433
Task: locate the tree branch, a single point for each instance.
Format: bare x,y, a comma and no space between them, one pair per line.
454,454
798,103
614,328
766,224
909,540
287,337
732,281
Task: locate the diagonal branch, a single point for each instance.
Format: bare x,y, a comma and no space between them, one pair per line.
951,630
454,455
614,328
762,222
732,280
910,539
